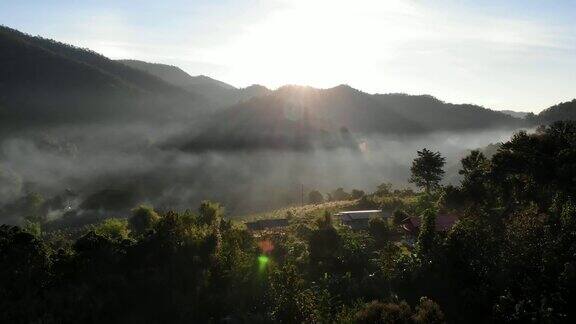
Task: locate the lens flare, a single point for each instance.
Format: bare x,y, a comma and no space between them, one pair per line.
263,262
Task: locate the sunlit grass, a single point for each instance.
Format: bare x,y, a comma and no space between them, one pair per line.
299,211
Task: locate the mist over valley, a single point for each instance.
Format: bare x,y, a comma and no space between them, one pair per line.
109,135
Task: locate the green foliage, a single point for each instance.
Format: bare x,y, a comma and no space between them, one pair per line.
474,169
142,220
389,313
32,228
210,213
427,170
295,301
24,271
452,198
379,230
427,234
427,311
113,228
508,259
384,189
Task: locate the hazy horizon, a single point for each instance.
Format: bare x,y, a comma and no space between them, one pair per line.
460,52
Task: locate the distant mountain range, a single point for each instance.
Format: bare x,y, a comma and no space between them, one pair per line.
305,117
517,114
218,92
44,82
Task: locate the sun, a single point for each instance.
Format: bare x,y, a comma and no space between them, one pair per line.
317,43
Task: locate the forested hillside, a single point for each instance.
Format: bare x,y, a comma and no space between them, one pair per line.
44,82
218,92
562,111
270,123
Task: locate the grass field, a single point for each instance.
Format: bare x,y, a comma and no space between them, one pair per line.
308,211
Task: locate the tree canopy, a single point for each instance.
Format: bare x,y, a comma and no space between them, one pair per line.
427,169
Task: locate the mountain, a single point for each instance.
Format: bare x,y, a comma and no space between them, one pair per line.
218,92
517,114
424,114
43,81
268,123
297,116
562,111
361,112
175,75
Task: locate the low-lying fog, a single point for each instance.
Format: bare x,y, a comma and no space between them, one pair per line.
132,159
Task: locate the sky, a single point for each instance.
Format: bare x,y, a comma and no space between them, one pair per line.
518,54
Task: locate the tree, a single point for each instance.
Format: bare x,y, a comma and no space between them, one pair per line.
113,228
33,228
315,197
209,212
474,168
325,241
427,234
357,194
384,189
339,194
379,230
24,272
427,170
142,220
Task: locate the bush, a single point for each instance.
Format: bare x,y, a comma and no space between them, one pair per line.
113,228
428,312
378,312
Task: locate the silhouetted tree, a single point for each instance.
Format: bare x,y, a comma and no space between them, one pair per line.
339,194
427,170
315,197
357,194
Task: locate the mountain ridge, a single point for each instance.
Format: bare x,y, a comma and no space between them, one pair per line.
220,93
48,82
